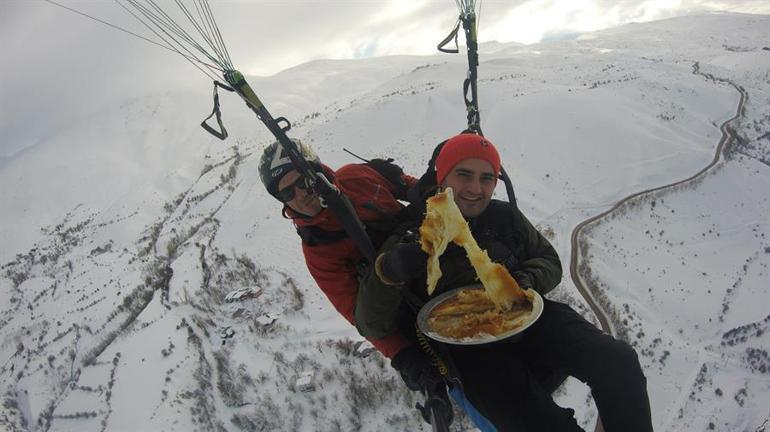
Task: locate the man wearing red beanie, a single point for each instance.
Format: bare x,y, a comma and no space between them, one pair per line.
509,383
465,146
462,157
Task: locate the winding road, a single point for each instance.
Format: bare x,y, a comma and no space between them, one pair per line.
727,137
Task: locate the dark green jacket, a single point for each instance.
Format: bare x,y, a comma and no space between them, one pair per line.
505,234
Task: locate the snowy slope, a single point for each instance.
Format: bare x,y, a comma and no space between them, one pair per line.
123,233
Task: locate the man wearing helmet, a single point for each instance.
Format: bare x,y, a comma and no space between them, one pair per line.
332,257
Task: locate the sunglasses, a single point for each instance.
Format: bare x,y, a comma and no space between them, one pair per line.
288,193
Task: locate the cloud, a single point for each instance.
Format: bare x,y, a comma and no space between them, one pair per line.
366,50
530,21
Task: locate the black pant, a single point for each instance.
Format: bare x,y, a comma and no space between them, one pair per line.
503,380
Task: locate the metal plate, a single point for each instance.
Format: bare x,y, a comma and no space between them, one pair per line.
422,320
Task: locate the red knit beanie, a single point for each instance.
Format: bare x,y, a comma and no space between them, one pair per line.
465,146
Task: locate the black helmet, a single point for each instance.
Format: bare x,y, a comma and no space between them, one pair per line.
275,163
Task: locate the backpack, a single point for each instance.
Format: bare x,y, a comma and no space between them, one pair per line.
377,230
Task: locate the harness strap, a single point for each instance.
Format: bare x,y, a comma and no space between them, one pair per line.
471,105
452,35
508,188
222,133
313,235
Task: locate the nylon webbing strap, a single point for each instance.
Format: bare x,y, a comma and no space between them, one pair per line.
508,188
474,122
222,133
468,22
452,35
470,84
341,206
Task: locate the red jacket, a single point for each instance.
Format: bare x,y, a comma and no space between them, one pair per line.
333,265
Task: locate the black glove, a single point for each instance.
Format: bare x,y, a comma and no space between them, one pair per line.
389,170
523,279
416,368
419,374
511,263
403,263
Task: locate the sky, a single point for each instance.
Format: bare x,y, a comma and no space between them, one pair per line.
61,67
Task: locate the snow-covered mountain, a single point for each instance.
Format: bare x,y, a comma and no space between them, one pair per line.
123,233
